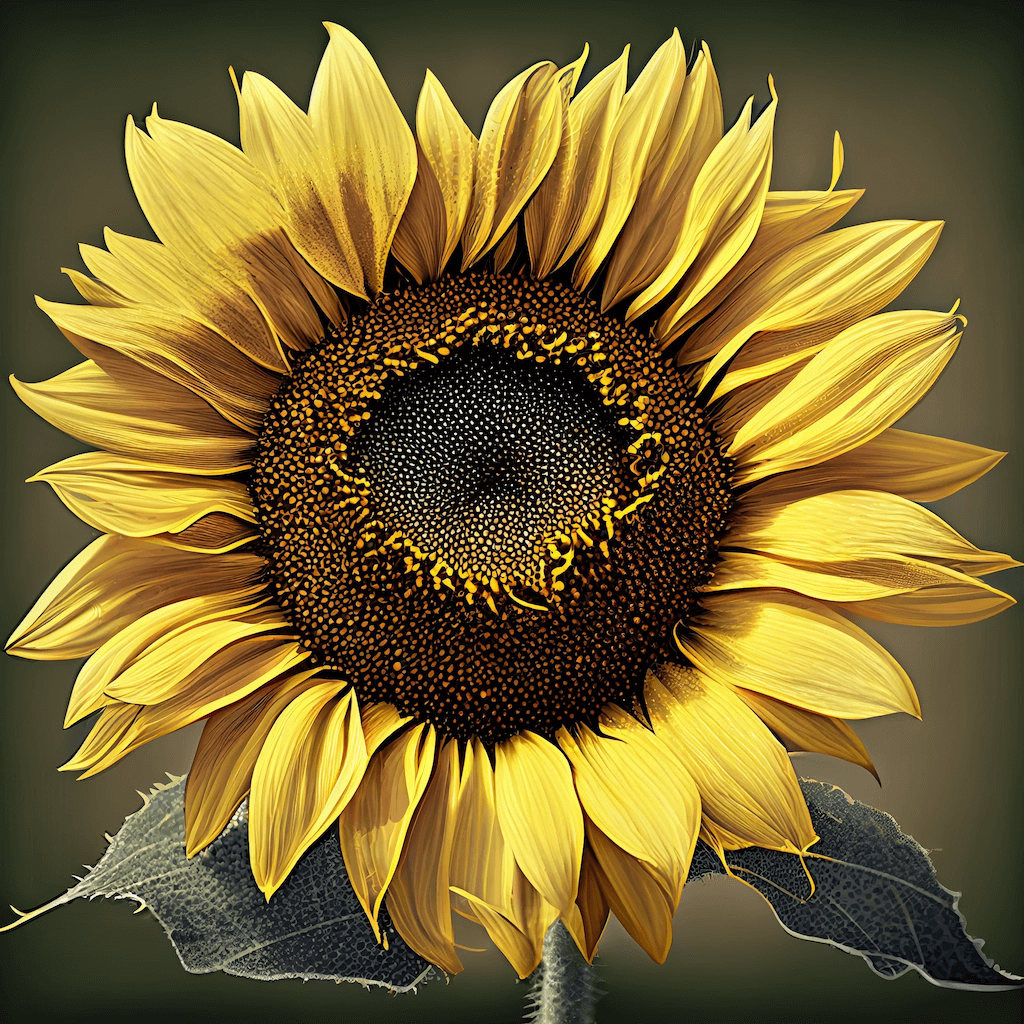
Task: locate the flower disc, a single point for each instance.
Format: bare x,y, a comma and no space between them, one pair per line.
487,504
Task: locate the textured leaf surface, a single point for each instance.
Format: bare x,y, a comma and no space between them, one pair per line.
218,920
875,894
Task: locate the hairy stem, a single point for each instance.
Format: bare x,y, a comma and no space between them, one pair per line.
564,989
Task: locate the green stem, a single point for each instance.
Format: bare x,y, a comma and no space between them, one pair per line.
564,989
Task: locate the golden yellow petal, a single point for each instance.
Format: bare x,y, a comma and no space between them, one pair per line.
847,526
788,219
182,350
916,466
563,211
365,148
482,865
724,198
380,722
540,815
860,580
132,497
593,906
744,775
214,534
723,213
154,673
813,291
231,742
310,766
138,636
374,825
418,899
861,382
204,200
434,220
505,249
642,125
278,139
115,581
950,605
797,650
229,675
633,893
246,247
110,727
518,143
521,940
156,419
803,730
658,220
636,790
94,292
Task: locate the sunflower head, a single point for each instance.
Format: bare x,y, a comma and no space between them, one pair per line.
499,501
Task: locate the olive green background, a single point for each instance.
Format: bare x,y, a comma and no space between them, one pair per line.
928,99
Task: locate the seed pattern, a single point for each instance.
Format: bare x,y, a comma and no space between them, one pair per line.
488,504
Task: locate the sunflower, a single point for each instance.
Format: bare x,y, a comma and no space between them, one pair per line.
498,501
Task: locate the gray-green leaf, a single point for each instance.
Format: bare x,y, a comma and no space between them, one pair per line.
218,920
875,894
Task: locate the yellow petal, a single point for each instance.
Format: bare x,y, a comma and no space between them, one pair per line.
642,124
915,466
593,906
128,645
179,349
224,760
367,147
505,249
861,382
205,201
482,866
229,675
278,139
634,787
814,290
746,781
796,650
418,899
374,825
110,727
723,211
563,211
788,219
540,815
521,939
310,765
439,205
518,143
155,672
633,893
156,420
804,730
847,526
860,580
94,292
114,582
134,498
380,722
218,214
214,534
658,220
951,605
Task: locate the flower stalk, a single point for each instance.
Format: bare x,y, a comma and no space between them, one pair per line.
565,989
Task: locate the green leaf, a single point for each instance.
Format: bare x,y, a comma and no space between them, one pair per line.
874,893
218,920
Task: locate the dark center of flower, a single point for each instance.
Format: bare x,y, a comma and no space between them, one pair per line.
485,457
488,504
